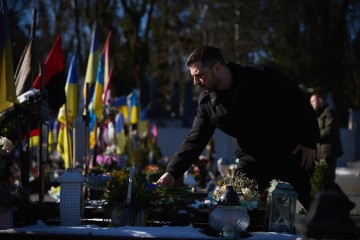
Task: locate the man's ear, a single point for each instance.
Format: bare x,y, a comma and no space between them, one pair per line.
216,68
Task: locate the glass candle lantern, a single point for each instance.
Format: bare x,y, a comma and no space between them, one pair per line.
280,209
229,218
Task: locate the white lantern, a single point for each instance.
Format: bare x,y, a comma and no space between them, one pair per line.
281,206
71,197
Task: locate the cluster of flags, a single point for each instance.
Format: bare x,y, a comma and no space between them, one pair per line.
63,95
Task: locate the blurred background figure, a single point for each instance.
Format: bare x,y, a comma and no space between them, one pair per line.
329,148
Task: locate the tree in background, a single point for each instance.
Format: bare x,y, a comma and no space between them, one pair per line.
314,42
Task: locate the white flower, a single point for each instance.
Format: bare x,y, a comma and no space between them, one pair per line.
6,145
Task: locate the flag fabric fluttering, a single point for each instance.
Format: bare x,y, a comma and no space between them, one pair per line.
71,90
7,83
23,80
143,123
107,94
52,140
34,137
54,77
132,102
120,104
97,103
24,70
120,133
107,74
106,52
64,146
92,64
93,130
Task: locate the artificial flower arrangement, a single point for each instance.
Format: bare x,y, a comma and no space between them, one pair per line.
153,172
128,196
117,186
109,159
246,188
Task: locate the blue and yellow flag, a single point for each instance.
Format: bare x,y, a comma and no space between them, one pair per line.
120,133
97,102
64,146
132,102
93,130
93,62
121,105
143,123
71,90
7,82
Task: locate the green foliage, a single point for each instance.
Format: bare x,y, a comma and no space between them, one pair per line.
320,178
117,188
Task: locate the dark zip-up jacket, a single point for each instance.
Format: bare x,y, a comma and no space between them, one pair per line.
263,110
329,144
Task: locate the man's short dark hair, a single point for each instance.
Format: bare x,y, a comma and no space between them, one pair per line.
319,94
207,55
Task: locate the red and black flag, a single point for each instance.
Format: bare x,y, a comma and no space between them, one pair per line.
54,77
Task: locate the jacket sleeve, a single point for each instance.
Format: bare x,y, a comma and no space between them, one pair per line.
193,145
298,109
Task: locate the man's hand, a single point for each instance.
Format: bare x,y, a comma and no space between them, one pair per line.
166,180
308,156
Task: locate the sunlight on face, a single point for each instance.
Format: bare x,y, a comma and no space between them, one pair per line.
202,76
316,102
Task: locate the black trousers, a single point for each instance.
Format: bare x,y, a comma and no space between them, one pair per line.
264,167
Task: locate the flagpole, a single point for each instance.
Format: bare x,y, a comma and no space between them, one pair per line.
71,164
130,134
87,135
41,154
74,144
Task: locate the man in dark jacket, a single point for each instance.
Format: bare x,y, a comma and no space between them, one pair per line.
329,147
267,113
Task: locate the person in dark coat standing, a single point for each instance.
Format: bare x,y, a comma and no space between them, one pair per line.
266,112
329,148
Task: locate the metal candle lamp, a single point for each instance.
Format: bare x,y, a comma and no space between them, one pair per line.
229,217
70,197
281,205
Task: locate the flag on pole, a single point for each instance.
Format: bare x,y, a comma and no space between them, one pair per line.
106,52
107,94
120,133
97,103
132,103
121,104
93,130
23,80
34,137
64,146
93,61
107,74
143,123
24,70
7,83
71,90
54,77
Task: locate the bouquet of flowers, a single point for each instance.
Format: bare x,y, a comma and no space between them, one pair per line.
117,186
